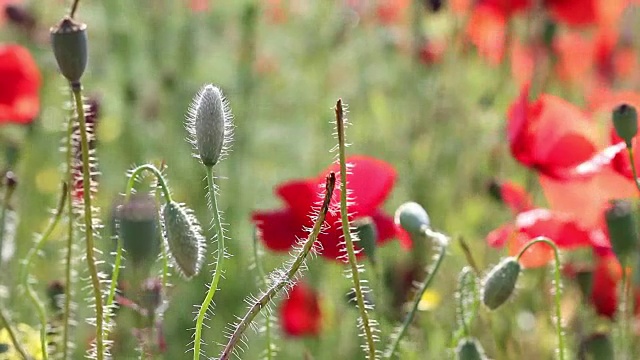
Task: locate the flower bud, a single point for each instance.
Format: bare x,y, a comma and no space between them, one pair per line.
55,292
625,121
368,234
151,295
69,42
597,346
209,124
184,238
470,349
138,229
412,217
500,283
622,228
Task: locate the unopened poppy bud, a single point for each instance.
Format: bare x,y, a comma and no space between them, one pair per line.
500,283
138,229
470,349
625,121
69,42
184,238
209,124
368,234
597,346
622,228
412,217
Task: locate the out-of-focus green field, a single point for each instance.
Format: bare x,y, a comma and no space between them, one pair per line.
441,125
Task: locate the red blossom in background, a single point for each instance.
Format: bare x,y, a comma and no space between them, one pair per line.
370,182
19,85
300,313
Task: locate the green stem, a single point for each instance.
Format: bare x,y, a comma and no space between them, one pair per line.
276,288
461,308
12,334
625,328
217,225
74,8
443,241
88,220
159,177
66,314
353,261
633,167
24,272
263,276
558,292
3,216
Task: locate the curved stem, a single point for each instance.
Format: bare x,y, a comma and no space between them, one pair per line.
276,288
88,220
24,272
633,168
13,336
159,177
66,313
217,274
351,255
425,285
558,294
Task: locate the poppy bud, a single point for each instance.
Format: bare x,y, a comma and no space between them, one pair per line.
69,42
137,227
151,295
184,238
412,217
625,121
368,234
500,283
470,349
597,346
622,228
55,291
209,124
549,33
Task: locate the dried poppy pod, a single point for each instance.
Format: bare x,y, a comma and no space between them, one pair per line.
69,42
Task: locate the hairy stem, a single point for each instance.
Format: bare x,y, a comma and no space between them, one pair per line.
159,177
267,318
24,273
8,192
12,334
217,274
276,288
88,220
443,241
68,263
351,254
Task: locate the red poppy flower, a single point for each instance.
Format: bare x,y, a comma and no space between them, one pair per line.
19,85
549,135
300,313
487,31
370,182
507,7
512,195
573,12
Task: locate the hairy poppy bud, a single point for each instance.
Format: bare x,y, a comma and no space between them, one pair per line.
138,229
209,125
625,121
184,238
597,346
622,228
500,283
368,234
412,217
69,42
470,349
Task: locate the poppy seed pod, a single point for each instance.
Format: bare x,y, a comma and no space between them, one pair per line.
138,230
412,217
69,42
184,238
500,283
625,121
469,349
368,234
597,346
209,125
622,228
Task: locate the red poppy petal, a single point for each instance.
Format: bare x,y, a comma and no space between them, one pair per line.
499,237
535,256
515,197
19,85
300,195
561,229
370,182
280,229
604,293
300,313
573,12
388,230
486,30
518,124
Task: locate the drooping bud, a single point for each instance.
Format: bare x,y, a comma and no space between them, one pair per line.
184,238
625,121
209,123
368,234
470,349
138,229
622,228
500,283
412,217
69,42
597,346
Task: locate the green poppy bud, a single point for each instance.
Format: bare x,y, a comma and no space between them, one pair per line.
500,283
138,229
470,349
412,217
625,121
184,238
622,228
368,234
597,346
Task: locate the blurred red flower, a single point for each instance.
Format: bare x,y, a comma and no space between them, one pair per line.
300,313
370,182
19,85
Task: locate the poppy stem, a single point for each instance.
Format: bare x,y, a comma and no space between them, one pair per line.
285,278
558,289
346,230
463,297
263,276
74,8
634,171
24,271
89,226
442,241
12,335
162,183
217,274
